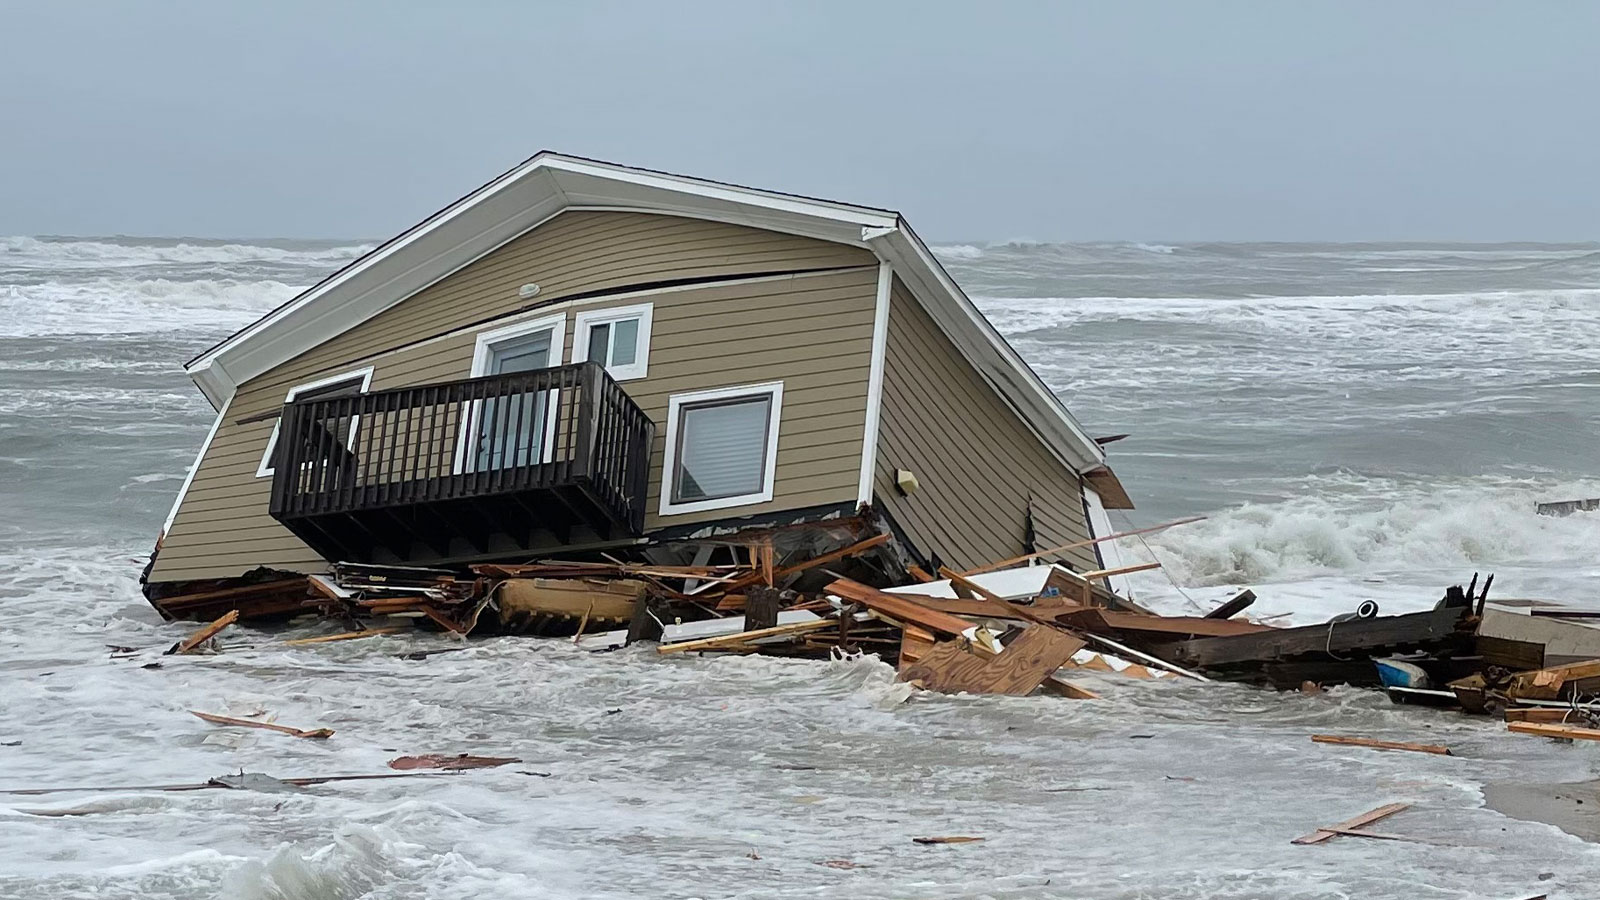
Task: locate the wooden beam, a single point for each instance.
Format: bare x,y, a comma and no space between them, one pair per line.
898,608
1546,715
1007,563
188,644
835,556
1380,745
1366,818
1233,607
1543,729
1022,612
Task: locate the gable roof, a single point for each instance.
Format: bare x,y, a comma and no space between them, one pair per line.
549,183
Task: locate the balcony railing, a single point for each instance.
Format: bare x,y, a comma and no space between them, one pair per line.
418,466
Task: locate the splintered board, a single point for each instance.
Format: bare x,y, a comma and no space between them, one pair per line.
1027,661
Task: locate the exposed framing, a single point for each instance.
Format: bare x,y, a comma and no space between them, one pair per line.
669,463
264,470
586,319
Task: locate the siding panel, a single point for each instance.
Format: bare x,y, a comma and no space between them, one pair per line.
977,462
812,332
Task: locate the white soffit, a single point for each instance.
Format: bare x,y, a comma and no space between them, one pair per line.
549,183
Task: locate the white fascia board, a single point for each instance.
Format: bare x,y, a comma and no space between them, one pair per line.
214,382
1000,365
859,216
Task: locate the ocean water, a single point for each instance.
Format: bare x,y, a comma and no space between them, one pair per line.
1357,421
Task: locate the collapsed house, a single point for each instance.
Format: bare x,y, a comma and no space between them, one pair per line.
622,367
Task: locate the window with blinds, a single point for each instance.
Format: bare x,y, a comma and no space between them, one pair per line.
721,448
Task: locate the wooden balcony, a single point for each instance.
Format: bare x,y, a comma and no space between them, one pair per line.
473,469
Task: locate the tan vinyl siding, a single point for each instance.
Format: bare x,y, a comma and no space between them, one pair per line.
976,461
812,332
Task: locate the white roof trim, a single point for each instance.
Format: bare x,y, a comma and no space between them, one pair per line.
548,184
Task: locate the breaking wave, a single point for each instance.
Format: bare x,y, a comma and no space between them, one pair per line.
1355,526
110,305
70,253
958,251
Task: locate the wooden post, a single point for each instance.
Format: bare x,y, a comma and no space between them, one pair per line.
760,607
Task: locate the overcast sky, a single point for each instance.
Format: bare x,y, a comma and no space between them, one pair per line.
994,120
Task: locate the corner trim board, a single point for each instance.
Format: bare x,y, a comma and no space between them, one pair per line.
880,343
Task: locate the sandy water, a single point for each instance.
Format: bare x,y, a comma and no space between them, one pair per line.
1369,421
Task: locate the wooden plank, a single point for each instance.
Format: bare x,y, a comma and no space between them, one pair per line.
1539,714
348,635
1366,818
733,641
988,609
188,644
1233,607
1544,729
215,719
898,608
1380,745
1015,560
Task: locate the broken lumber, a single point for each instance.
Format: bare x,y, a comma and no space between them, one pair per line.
738,640
1007,563
1233,607
188,644
1030,658
348,635
215,719
1366,818
1546,684
1550,730
898,607
952,839
758,577
1380,745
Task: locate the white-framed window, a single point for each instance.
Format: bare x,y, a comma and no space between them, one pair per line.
617,337
345,384
519,430
722,447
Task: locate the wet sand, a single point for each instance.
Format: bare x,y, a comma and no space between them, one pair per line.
1573,808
